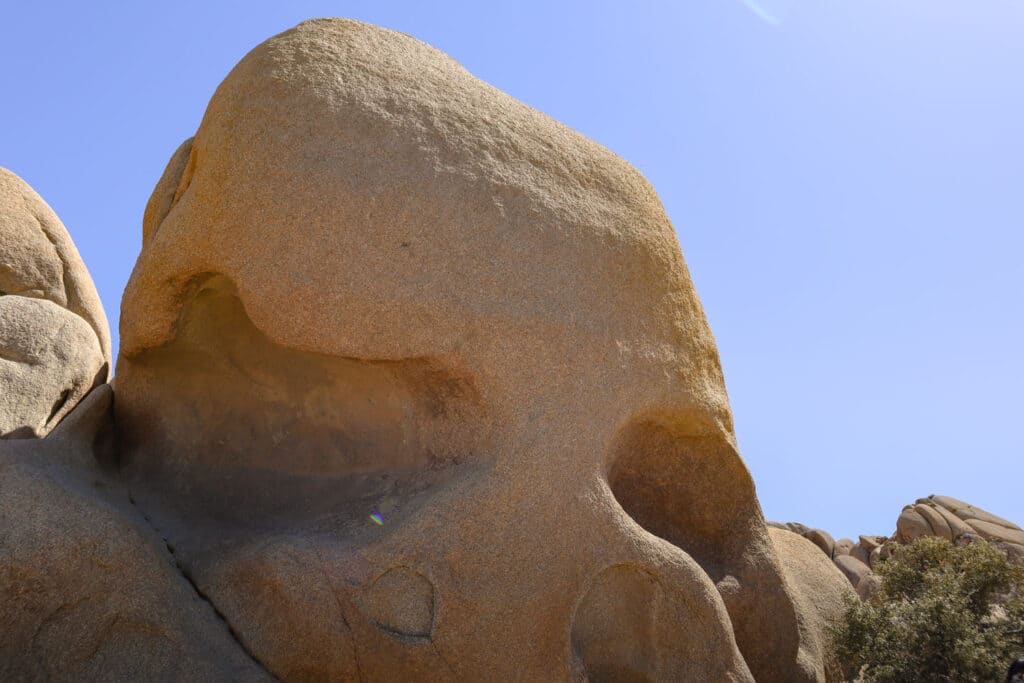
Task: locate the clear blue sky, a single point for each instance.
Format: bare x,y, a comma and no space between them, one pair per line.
846,178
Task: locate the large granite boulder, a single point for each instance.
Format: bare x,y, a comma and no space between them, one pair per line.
415,383
54,339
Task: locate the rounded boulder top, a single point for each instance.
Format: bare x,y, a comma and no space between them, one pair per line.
53,331
387,315
369,197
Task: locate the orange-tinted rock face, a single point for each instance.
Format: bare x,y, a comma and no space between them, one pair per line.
399,339
414,385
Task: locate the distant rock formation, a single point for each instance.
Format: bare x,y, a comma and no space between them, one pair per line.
939,516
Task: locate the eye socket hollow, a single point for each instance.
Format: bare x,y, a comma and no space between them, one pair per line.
233,427
693,491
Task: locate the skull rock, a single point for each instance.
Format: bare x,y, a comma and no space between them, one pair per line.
54,339
416,383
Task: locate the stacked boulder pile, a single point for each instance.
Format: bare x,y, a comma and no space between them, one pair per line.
940,516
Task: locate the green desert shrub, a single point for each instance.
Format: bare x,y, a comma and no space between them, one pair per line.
943,613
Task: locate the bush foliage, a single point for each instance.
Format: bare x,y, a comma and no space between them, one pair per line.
943,613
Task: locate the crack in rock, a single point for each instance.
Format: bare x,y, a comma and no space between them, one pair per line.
201,594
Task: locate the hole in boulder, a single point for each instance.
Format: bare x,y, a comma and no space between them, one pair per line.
692,491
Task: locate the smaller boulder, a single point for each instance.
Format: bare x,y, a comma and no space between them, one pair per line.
822,539
939,526
966,511
996,532
869,586
853,569
875,557
54,340
820,595
842,547
911,526
860,553
869,543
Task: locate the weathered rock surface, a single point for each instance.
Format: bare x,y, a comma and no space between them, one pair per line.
842,547
823,540
821,593
413,385
416,383
54,340
911,526
951,518
87,591
1014,551
868,586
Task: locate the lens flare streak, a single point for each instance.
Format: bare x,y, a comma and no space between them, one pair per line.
771,11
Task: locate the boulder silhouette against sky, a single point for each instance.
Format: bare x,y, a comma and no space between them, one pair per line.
413,385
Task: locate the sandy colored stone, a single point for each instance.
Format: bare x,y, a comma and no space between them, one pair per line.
167,190
860,553
382,287
822,539
49,360
996,532
87,590
957,526
967,512
54,340
1014,551
911,526
821,594
938,524
869,542
842,547
887,549
868,587
852,568
875,557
